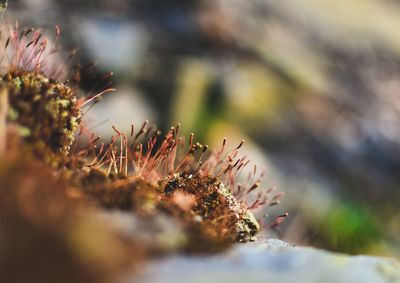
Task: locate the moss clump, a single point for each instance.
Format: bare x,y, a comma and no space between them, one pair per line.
214,214
108,192
3,7
195,189
45,110
211,216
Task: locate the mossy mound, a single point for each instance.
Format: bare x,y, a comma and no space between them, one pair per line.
214,214
45,110
211,216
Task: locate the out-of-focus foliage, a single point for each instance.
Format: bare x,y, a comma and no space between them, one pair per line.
314,85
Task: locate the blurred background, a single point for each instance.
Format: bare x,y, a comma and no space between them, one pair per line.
313,86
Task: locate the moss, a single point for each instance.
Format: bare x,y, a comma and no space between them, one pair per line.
45,110
211,216
59,196
3,7
223,218
193,189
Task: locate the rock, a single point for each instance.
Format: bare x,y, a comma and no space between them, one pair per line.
273,261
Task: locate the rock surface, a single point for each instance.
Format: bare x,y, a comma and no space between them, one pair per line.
273,261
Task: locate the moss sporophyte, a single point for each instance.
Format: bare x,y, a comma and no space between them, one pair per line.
42,90
141,172
182,179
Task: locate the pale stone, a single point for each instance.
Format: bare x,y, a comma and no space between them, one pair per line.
273,261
